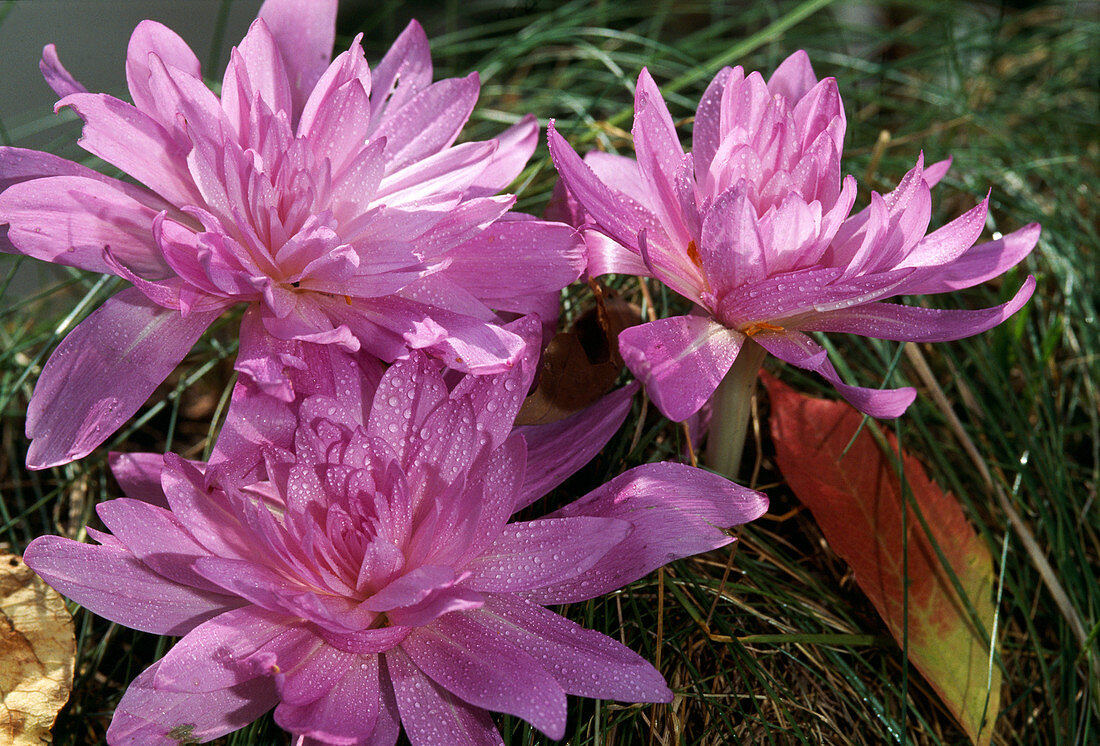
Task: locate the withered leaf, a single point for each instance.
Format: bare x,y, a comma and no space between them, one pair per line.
37,653
582,364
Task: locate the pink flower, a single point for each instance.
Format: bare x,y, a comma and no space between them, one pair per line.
329,196
753,227
367,574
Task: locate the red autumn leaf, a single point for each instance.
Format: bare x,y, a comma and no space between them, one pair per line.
855,496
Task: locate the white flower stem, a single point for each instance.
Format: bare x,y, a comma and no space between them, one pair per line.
731,406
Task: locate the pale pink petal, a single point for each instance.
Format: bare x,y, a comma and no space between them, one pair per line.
663,529
950,242
794,77
916,324
557,450
151,38
799,350
660,156
486,671
409,391
72,219
304,32
514,147
706,132
977,264
429,122
102,372
935,172
57,77
430,713
517,257
405,70
138,474
731,249
545,552
680,360
128,138
583,661
148,715
346,714
109,581
214,654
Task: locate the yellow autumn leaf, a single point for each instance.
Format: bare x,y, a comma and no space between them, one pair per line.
38,650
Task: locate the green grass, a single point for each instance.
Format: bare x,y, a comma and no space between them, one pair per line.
795,654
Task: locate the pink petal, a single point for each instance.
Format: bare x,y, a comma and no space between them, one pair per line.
304,32
138,474
486,671
429,122
706,131
430,713
128,138
151,38
794,77
414,387
57,77
102,372
674,511
259,61
405,70
680,360
72,219
731,251
660,156
110,581
583,661
606,256
214,655
935,172
514,147
148,715
545,552
557,450
799,350
515,258
916,324
346,714
949,242
977,264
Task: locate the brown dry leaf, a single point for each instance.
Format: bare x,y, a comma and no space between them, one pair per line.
37,651
582,364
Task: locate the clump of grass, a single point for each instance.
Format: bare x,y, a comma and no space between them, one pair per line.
770,642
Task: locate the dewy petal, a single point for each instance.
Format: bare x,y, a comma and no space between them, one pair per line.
148,715
794,77
110,581
583,661
514,147
138,474
487,671
977,264
799,350
346,714
72,219
102,372
663,529
429,122
405,70
304,32
916,324
557,450
680,360
148,39
706,132
534,554
430,713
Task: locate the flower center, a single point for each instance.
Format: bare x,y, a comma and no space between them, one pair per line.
755,327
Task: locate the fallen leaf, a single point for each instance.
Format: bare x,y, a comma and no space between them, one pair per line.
855,495
37,649
582,364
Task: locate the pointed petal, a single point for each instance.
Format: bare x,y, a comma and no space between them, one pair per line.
57,77
978,264
347,713
799,350
484,670
916,324
794,77
429,122
405,70
674,510
583,661
514,147
557,450
680,360
111,582
430,713
102,372
706,133
138,474
147,715
304,32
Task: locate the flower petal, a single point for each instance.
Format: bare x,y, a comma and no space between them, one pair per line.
110,581
680,360
148,715
346,714
977,264
304,32
486,671
674,511
102,372
138,474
